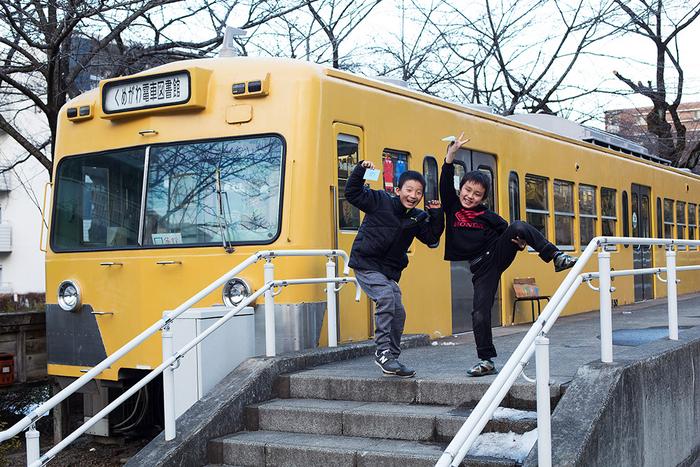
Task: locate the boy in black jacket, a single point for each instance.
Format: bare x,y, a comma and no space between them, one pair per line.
379,253
482,237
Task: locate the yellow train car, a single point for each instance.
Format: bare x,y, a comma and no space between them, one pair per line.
167,179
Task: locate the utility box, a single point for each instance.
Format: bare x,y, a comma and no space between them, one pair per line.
213,358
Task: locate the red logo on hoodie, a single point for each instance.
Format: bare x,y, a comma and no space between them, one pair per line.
467,218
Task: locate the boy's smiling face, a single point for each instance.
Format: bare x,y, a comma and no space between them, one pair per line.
410,193
471,194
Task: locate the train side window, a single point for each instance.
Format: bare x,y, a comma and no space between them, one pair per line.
587,213
625,216
348,156
430,173
489,197
394,163
668,218
692,223
514,196
564,214
608,207
680,222
659,220
537,202
460,171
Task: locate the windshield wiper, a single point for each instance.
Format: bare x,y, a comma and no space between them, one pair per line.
223,224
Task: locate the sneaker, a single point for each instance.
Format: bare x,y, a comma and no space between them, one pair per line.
390,366
406,372
563,261
483,368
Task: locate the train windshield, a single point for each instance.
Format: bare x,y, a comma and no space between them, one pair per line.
203,193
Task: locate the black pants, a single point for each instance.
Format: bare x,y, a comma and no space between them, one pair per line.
487,273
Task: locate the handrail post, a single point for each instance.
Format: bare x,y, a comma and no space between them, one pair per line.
33,448
544,424
168,384
672,293
330,297
606,351
270,338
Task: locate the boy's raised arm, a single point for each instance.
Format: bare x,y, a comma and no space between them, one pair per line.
355,191
431,230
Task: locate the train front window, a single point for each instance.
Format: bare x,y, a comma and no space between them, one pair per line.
97,201
214,192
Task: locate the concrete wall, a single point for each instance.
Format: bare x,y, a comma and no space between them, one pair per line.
22,269
24,335
641,412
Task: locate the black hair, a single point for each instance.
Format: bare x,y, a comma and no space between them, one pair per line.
411,175
477,176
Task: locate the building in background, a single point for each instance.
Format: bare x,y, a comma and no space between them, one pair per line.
21,198
631,124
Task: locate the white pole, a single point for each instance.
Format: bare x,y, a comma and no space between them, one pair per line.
672,294
606,351
330,297
33,448
544,422
168,385
270,338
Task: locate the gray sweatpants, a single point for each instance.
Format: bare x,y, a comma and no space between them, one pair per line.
389,314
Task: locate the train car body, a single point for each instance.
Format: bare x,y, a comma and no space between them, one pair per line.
167,179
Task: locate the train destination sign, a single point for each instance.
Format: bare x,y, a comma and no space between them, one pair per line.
146,92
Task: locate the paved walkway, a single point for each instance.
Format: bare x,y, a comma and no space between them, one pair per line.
574,341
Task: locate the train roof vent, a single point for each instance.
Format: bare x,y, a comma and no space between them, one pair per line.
564,127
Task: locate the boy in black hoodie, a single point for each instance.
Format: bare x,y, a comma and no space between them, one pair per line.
379,253
478,235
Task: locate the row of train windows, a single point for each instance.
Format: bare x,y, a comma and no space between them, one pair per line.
538,212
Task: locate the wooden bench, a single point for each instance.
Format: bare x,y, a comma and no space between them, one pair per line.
526,290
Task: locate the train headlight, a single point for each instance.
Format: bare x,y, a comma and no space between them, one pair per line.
235,291
69,298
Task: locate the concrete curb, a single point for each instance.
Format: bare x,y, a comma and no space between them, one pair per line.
640,411
222,411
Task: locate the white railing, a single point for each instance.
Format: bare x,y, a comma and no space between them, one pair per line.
171,358
535,340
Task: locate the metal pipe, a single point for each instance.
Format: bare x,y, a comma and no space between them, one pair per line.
270,336
168,385
635,272
606,351
330,298
544,422
33,448
672,293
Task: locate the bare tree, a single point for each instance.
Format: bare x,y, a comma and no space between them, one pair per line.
417,53
523,53
48,50
338,19
660,22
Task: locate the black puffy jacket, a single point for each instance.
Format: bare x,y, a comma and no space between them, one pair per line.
388,228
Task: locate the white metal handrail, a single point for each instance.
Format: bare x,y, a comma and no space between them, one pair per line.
34,457
535,339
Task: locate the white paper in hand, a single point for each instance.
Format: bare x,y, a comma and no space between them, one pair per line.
449,139
372,175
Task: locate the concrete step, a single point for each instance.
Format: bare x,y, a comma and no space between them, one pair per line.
457,391
263,448
401,421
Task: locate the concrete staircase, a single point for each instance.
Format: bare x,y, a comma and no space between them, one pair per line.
325,417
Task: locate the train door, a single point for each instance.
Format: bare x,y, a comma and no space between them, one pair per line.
354,319
641,227
460,276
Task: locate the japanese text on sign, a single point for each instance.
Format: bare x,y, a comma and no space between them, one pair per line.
150,91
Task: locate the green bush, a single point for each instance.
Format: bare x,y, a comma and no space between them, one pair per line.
24,302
